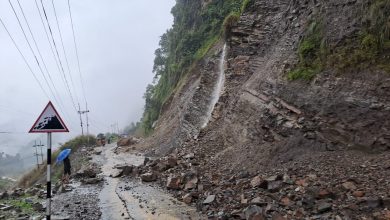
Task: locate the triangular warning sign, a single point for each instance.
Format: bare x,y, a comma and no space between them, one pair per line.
49,121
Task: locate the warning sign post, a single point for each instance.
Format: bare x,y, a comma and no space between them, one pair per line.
49,121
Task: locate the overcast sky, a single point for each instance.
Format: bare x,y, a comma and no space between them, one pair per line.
116,41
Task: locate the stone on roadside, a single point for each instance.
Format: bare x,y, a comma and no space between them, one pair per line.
148,177
172,161
274,186
254,212
349,185
191,184
91,180
358,193
173,182
116,173
187,198
189,156
209,199
323,194
257,181
324,207
86,172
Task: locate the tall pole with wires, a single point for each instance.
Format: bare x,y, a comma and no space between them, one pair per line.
36,153
81,120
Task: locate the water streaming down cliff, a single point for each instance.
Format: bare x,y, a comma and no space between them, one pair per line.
217,88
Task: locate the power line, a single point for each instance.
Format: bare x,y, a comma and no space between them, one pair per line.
58,55
59,101
28,42
24,59
63,47
52,50
77,53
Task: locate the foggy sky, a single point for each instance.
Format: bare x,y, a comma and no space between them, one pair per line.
116,42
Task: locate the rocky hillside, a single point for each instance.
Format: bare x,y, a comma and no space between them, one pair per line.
303,120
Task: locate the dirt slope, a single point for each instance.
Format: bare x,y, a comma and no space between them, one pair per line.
331,130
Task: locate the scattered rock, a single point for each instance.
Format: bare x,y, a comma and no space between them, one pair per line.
274,186
358,193
148,177
187,198
189,156
173,182
191,184
95,180
349,185
257,181
254,212
116,173
209,199
324,207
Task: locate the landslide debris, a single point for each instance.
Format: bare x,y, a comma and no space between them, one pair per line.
302,127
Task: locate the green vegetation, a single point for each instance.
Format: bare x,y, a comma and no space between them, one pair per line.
311,51
38,174
195,30
370,48
24,206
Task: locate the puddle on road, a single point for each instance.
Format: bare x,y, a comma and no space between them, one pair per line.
147,202
132,199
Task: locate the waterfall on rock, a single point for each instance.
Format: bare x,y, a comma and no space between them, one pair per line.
217,88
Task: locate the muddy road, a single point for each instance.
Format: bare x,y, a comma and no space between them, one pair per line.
119,197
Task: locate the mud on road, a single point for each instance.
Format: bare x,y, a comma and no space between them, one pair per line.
119,197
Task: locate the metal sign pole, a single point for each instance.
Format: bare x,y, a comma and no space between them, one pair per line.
48,202
49,121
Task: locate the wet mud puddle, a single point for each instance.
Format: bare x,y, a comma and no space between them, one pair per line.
129,198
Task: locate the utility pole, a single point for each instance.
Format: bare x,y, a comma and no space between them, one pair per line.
81,120
36,154
40,146
86,114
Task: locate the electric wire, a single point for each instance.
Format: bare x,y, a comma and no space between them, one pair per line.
24,59
77,53
55,93
58,55
31,49
63,48
51,49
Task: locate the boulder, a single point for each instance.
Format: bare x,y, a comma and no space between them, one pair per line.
91,180
127,141
254,212
324,207
127,170
349,185
86,172
256,181
274,186
191,184
116,173
189,156
148,177
172,161
209,199
187,198
173,182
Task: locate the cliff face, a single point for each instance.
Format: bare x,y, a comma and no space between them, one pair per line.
281,119
264,111
301,127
